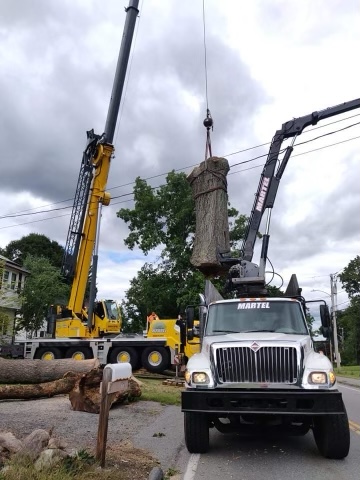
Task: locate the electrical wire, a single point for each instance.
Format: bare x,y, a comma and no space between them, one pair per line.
205,56
194,165
181,169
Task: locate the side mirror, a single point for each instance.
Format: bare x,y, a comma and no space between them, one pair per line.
190,315
326,332
325,316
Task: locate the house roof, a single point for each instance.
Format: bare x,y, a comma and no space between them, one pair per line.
14,265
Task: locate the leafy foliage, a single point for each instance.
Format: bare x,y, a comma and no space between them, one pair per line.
350,278
348,322
165,218
42,288
36,245
349,319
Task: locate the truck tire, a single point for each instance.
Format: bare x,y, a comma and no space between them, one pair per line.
332,435
48,353
155,359
196,427
125,355
79,353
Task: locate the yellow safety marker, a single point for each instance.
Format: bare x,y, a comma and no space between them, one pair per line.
355,427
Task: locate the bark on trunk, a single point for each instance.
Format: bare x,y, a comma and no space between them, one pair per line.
86,397
40,371
209,188
48,389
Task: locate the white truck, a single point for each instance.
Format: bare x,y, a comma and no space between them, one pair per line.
257,367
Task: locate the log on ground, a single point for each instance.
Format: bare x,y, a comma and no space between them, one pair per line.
49,389
41,371
209,188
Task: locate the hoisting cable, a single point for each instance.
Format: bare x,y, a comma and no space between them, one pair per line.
208,122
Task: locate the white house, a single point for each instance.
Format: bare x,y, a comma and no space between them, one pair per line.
12,280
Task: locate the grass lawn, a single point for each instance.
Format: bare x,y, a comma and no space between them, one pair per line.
154,390
350,372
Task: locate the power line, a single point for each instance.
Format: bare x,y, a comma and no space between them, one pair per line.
194,165
189,166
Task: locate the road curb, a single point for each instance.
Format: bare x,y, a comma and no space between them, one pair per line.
348,381
156,474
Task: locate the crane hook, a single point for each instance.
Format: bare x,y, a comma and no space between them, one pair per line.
209,124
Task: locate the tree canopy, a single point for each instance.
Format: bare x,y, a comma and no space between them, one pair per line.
164,218
43,288
349,318
34,244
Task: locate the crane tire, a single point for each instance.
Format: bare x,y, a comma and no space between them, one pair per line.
125,355
79,353
48,353
155,359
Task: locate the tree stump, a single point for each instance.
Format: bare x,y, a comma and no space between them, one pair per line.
86,397
209,189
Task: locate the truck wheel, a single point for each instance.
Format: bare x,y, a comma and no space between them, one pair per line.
124,355
196,426
155,359
79,353
48,353
332,435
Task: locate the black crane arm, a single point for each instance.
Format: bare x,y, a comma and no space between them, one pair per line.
266,194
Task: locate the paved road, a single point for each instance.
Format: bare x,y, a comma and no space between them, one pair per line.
296,458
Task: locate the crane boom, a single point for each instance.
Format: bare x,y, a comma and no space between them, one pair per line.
81,250
243,272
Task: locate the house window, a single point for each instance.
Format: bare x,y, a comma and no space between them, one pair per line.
13,281
19,282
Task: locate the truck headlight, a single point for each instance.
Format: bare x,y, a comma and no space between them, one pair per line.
199,378
318,378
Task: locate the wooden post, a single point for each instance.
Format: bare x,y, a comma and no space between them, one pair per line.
115,379
103,417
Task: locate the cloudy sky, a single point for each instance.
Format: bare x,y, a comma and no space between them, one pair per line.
268,61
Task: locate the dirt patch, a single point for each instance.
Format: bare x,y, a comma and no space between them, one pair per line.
131,462
79,430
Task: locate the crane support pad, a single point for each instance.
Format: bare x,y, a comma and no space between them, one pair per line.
283,402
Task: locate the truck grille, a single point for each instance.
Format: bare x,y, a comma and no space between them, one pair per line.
267,365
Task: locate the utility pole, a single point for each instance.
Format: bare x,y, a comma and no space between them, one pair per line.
333,290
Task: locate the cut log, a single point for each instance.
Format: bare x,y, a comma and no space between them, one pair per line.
40,371
86,397
48,389
209,188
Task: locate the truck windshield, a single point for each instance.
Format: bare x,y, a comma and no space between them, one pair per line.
258,316
112,310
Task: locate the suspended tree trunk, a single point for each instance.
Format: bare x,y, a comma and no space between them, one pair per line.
40,371
209,188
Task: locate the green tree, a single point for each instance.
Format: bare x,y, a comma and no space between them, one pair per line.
349,319
165,218
348,322
36,245
43,288
350,278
